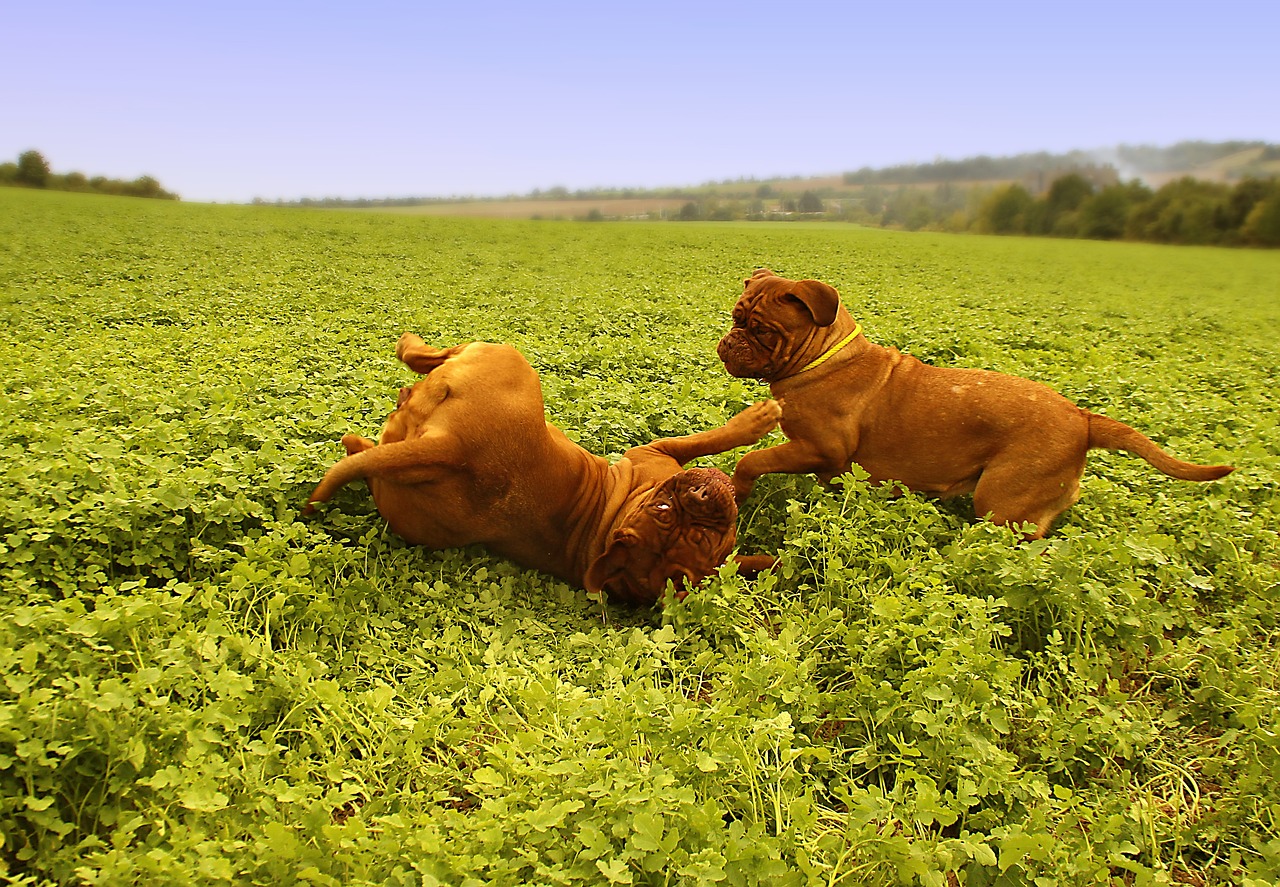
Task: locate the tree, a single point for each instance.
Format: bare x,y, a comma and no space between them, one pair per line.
1247,194
907,208
146,186
810,202
1186,210
1067,193
1005,211
873,199
33,169
1058,214
1105,215
1263,225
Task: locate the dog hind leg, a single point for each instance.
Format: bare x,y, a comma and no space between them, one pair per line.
404,462
354,443
1011,495
420,357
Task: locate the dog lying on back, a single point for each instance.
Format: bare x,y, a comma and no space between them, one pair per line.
469,457
1017,445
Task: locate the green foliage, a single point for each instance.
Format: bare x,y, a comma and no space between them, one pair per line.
199,687
1183,211
1078,194
1106,215
1005,211
809,202
1262,226
1058,213
33,171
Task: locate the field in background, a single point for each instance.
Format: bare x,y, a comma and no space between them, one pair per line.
619,208
198,686
1224,164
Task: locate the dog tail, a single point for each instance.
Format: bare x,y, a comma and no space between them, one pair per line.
404,462
343,472
1108,434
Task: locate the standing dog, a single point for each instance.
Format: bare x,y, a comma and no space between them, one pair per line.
1017,445
469,457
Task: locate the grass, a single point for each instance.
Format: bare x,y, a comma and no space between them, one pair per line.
197,686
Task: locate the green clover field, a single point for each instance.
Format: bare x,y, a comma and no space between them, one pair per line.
199,686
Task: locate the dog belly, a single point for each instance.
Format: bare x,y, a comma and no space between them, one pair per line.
938,456
447,513
924,475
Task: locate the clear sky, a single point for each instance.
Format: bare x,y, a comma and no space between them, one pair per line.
233,100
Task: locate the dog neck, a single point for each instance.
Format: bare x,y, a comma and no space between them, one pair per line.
832,351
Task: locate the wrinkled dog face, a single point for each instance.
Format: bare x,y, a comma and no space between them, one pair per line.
755,347
682,531
773,313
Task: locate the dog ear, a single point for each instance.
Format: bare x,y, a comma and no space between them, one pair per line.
820,298
757,274
611,564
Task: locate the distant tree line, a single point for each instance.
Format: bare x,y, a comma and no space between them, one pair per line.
1079,194
32,171
1184,211
972,169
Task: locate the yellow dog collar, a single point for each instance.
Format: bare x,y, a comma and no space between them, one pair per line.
833,350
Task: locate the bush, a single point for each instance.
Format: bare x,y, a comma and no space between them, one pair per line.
1185,211
1005,211
1262,227
1105,216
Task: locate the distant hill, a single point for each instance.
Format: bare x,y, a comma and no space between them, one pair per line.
1219,162
1209,161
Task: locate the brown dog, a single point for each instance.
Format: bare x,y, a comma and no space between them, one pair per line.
469,457
1017,445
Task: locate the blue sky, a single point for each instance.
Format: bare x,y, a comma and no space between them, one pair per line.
235,100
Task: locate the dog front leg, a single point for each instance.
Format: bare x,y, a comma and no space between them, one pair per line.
742,430
792,457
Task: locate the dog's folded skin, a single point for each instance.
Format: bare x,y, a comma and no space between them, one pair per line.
1017,445
468,457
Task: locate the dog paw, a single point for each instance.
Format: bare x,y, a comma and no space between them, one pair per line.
759,419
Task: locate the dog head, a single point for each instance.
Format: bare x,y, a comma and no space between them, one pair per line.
778,326
680,532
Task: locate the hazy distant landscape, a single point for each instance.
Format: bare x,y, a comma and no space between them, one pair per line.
1217,162
1207,193
1223,193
